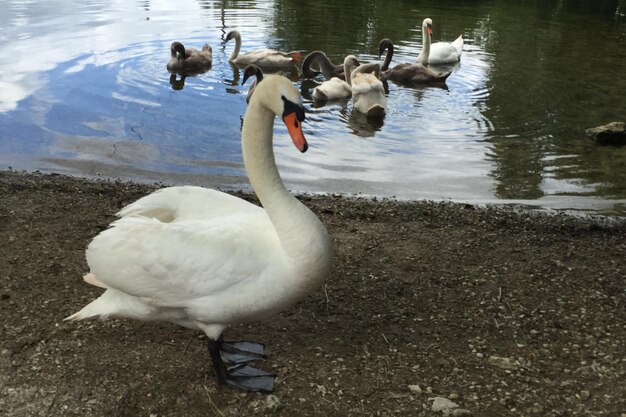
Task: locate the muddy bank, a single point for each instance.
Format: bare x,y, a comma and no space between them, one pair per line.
505,313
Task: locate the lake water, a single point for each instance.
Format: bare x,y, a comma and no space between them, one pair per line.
84,91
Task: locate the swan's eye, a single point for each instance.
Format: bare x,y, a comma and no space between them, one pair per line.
291,107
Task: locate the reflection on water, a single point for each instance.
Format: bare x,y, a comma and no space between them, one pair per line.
177,81
84,90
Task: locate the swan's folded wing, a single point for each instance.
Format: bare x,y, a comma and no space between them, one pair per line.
187,203
172,264
363,83
333,89
458,44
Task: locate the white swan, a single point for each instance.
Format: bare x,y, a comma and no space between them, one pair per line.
205,260
440,52
336,88
189,60
368,92
264,58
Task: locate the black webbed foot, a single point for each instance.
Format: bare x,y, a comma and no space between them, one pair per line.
250,379
235,353
229,360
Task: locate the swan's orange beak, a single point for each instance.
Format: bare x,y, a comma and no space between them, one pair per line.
430,30
295,131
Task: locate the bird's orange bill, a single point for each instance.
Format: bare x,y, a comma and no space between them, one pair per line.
430,30
295,131
296,56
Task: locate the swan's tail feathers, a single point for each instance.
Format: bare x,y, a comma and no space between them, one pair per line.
444,76
90,278
296,56
458,43
91,310
376,111
113,303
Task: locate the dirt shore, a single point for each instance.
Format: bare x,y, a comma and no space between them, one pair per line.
503,312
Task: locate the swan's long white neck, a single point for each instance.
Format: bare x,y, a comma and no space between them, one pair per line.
302,235
235,52
347,71
422,58
258,157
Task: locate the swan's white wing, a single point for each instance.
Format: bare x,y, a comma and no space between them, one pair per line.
267,57
458,44
365,83
444,52
187,203
173,264
264,53
368,92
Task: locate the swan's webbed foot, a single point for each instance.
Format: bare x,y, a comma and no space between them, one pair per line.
229,360
248,378
236,353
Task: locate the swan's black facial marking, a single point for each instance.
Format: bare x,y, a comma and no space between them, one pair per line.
291,107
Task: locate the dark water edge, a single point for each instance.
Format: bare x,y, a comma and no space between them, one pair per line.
235,185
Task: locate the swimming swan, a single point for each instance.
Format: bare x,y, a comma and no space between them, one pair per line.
324,64
440,52
205,260
336,88
252,71
189,59
264,58
368,92
407,73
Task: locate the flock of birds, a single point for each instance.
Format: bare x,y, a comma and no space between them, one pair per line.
204,259
363,82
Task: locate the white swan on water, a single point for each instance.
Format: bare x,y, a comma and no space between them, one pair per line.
439,52
205,259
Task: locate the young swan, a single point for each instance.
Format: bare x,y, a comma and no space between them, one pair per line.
368,92
189,60
325,65
206,260
252,71
408,74
440,52
336,88
264,58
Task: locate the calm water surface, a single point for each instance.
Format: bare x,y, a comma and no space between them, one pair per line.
84,91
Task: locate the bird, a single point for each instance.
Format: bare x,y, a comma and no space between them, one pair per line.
206,260
252,71
265,58
439,52
336,88
325,65
189,60
407,73
368,92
